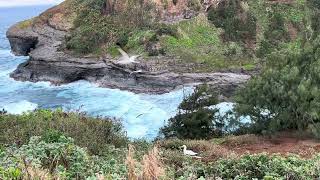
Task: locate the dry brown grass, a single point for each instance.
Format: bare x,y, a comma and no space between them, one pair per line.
39,174
208,150
248,139
34,173
131,164
100,177
151,165
25,24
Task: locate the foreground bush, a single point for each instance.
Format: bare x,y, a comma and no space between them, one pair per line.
247,167
93,133
263,166
61,159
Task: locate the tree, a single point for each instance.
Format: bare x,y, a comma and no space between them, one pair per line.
286,95
196,118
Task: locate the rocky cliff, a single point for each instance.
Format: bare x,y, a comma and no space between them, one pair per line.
42,41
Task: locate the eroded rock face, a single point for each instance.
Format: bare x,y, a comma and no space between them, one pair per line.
21,41
42,42
22,47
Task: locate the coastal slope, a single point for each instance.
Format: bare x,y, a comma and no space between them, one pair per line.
43,39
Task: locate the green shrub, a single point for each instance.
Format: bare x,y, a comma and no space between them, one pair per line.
93,133
25,24
123,40
314,129
164,29
94,29
286,94
274,36
314,5
229,16
246,167
195,41
10,173
263,166
51,136
195,119
61,159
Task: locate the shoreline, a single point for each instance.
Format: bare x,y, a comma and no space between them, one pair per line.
42,43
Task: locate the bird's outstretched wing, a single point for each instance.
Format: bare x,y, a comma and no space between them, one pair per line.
124,54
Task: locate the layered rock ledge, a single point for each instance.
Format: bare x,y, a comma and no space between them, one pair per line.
47,62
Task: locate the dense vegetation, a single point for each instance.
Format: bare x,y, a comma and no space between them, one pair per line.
234,34
286,92
283,36
56,156
285,95
97,31
89,132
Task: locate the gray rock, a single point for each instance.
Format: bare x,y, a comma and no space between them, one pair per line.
21,41
48,63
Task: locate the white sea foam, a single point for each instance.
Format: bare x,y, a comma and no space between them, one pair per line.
142,114
19,107
226,107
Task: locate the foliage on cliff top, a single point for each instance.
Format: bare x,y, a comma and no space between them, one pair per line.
95,29
238,33
63,159
94,133
230,35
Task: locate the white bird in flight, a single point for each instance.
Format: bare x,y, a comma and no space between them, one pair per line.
136,72
188,152
126,59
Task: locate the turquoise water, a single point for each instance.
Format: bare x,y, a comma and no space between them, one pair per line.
142,114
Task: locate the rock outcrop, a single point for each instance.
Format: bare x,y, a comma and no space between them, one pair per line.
42,42
22,42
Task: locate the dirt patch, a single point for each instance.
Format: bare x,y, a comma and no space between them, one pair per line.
235,146
282,144
59,17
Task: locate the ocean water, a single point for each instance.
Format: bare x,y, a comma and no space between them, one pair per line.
142,115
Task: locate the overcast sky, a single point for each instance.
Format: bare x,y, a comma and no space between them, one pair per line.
10,3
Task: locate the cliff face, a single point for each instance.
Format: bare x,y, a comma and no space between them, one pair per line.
47,63
43,39
21,41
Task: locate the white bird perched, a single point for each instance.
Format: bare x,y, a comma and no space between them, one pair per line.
126,59
188,152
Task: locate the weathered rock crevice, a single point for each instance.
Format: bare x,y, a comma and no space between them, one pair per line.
23,46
